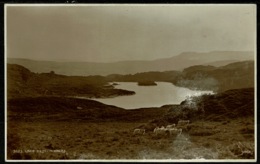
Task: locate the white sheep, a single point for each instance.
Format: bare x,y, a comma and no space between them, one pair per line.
139,131
170,126
183,124
174,131
161,130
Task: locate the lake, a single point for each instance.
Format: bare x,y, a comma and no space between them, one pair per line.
150,96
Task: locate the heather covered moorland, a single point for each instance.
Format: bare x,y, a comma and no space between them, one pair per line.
46,121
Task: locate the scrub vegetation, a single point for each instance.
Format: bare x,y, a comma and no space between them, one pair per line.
45,120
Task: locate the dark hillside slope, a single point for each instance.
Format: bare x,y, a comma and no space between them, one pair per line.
232,76
231,104
71,109
60,108
235,75
17,77
200,77
167,76
23,83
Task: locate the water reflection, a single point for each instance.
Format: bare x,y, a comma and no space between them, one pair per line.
150,96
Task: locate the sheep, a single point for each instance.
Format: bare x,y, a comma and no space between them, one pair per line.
79,108
183,124
170,126
139,131
155,129
161,130
175,131
164,131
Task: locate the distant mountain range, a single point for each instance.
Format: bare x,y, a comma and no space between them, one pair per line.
179,62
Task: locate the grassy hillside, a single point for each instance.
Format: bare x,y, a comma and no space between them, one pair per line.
232,76
41,116
200,77
223,122
225,106
222,127
167,76
72,109
21,82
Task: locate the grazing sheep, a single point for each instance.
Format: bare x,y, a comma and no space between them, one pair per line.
183,124
174,131
155,129
139,131
170,126
161,130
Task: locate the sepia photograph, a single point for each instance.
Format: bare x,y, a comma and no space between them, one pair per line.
130,82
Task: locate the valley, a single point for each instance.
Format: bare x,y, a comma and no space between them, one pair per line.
45,122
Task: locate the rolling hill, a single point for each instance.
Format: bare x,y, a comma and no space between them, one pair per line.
21,82
232,76
179,62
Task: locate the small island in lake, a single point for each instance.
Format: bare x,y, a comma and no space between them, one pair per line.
115,84
146,83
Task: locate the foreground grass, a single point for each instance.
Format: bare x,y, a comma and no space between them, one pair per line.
222,127
115,140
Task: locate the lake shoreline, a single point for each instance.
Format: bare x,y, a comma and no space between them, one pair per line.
149,96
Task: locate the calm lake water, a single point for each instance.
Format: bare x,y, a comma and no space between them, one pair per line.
150,96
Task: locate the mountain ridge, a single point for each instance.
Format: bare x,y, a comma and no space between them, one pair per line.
178,62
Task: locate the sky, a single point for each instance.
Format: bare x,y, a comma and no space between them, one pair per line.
111,33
